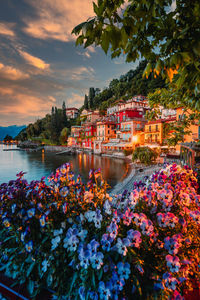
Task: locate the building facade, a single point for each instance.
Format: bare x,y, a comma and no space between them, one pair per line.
72,113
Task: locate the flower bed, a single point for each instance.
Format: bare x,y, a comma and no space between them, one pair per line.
83,244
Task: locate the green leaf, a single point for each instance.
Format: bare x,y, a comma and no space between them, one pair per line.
30,269
30,287
105,41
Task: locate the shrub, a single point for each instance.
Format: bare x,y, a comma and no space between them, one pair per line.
80,242
145,155
128,152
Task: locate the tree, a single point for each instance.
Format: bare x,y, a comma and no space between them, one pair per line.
91,97
8,138
165,32
64,116
64,135
86,102
145,155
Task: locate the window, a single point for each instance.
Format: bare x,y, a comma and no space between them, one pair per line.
108,131
150,128
156,127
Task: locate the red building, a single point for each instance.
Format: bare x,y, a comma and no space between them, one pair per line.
89,134
126,115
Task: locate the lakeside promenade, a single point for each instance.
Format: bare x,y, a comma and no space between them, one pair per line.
135,175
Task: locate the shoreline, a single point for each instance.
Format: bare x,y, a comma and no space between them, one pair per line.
135,175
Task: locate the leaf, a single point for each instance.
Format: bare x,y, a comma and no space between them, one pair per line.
73,281
30,287
93,280
105,41
147,70
30,269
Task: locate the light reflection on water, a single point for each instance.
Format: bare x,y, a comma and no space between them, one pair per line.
38,164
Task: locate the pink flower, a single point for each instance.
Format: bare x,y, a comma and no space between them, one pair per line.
173,263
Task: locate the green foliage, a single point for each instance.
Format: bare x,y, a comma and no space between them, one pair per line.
48,128
64,135
86,102
145,155
168,37
130,84
128,152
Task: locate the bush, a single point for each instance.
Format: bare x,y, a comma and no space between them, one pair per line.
77,240
145,155
128,152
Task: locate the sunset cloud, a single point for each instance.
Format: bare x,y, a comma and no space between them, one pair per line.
56,19
7,29
11,73
34,61
75,100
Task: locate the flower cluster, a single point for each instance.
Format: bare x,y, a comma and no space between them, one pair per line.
80,242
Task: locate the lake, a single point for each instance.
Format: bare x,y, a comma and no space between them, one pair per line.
38,164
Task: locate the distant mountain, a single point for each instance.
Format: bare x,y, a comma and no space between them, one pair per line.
13,131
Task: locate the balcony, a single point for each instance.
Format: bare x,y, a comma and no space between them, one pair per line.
151,131
125,129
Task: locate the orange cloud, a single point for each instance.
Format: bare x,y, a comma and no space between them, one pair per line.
56,19
34,61
24,104
10,73
76,100
6,29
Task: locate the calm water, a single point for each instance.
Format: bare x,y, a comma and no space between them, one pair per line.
38,164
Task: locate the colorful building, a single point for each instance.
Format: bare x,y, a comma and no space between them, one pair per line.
89,135
74,140
194,128
72,113
131,128
89,115
155,132
106,130
136,102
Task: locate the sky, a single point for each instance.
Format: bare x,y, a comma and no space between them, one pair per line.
40,66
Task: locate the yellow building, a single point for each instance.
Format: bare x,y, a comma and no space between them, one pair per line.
155,131
194,136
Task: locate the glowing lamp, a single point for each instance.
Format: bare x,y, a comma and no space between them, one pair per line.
134,139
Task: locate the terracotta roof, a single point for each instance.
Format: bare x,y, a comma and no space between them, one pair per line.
72,108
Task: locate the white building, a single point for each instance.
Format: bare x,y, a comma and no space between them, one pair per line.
72,112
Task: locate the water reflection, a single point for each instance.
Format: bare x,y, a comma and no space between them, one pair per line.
38,164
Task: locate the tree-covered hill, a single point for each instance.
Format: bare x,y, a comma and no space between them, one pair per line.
130,84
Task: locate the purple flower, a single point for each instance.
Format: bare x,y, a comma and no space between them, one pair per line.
123,270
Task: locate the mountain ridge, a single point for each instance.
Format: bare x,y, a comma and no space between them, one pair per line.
12,130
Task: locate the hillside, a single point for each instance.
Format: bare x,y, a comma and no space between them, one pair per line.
10,130
50,129
128,85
